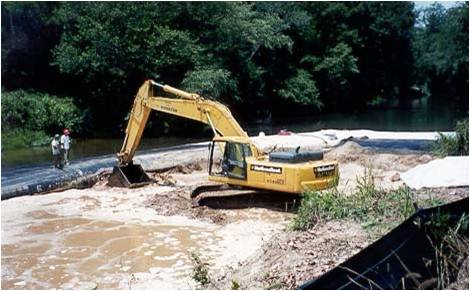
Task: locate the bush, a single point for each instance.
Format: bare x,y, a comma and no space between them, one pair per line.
23,138
200,272
39,112
453,145
235,285
29,118
369,205
316,206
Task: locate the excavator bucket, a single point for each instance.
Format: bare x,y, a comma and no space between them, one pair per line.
130,176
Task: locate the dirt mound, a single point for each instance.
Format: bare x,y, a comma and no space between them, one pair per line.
439,195
291,258
210,214
176,202
166,177
351,152
347,152
218,209
186,169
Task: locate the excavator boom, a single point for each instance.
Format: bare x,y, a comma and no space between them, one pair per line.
187,105
191,106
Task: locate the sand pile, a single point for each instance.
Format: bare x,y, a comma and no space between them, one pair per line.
446,172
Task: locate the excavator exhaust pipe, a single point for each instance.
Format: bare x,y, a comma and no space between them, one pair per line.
130,176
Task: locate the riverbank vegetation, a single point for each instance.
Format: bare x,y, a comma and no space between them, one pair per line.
453,145
450,241
266,60
200,271
373,207
29,117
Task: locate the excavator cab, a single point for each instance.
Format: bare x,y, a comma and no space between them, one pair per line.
231,162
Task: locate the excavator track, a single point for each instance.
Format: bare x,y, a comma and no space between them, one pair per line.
202,193
220,196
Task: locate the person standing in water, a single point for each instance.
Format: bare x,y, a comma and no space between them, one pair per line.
56,155
65,146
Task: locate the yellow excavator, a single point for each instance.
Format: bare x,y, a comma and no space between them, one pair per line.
234,159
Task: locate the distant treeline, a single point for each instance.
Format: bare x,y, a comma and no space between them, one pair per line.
260,58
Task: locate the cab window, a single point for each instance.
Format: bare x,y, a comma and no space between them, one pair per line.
232,164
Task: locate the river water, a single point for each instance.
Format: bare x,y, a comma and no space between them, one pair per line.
380,119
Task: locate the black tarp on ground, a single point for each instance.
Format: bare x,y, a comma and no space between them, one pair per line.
395,144
402,259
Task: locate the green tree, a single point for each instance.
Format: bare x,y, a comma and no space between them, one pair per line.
236,36
212,83
257,57
216,45
39,112
27,39
441,52
111,48
302,89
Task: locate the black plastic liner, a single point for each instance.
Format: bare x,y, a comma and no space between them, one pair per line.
402,259
395,144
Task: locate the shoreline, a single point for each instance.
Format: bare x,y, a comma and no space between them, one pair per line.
43,178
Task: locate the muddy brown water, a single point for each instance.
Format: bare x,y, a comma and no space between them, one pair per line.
107,239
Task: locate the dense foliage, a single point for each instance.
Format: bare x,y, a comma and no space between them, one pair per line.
453,145
260,58
38,111
28,117
441,53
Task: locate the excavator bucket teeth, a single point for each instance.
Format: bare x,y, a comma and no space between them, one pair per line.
130,176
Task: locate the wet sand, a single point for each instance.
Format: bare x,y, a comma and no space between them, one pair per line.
107,239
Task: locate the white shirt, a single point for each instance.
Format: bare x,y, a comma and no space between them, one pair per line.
65,141
55,147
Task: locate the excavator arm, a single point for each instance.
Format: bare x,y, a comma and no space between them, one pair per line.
188,105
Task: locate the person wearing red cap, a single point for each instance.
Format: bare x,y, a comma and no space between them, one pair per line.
65,145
